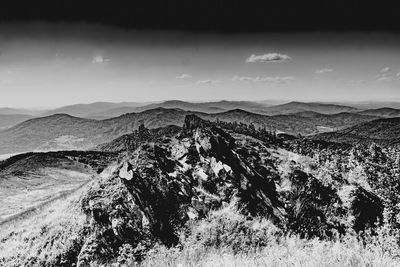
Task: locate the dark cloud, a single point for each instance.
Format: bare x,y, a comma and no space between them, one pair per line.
223,15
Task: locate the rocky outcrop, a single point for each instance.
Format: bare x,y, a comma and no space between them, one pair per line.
163,184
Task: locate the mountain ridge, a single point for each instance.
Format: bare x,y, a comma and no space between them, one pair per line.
62,131
383,131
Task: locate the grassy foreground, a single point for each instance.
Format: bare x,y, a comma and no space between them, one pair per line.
227,238
291,251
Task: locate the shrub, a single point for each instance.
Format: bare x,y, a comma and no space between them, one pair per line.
230,229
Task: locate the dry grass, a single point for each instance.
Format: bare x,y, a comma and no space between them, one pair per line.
290,251
202,249
46,236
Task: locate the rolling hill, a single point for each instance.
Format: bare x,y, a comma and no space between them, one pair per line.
8,120
380,131
295,107
65,132
221,106
19,111
86,110
106,110
382,112
205,107
30,180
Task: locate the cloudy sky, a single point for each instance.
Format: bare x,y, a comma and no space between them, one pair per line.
48,65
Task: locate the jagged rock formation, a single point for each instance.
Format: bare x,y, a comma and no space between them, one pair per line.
166,181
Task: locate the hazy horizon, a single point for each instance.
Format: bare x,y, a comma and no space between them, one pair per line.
47,65
269,102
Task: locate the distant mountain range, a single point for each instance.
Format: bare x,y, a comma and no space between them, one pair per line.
295,107
91,124
87,110
221,106
206,107
105,110
19,111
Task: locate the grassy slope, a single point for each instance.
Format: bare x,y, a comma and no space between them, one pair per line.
227,239
45,235
31,180
290,251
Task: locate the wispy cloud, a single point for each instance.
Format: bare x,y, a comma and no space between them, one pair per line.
357,81
387,75
209,82
184,76
277,79
270,57
322,71
99,59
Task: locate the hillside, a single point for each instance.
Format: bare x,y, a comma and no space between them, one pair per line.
9,120
380,131
61,131
304,123
18,111
382,112
86,110
295,107
204,107
33,179
190,195
223,106
106,110
65,132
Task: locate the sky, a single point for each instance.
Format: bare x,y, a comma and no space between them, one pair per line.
55,64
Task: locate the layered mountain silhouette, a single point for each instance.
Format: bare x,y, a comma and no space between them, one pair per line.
103,110
295,107
65,132
89,110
